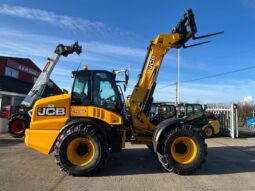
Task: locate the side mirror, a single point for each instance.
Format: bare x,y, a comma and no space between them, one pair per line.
205,107
124,87
126,76
125,81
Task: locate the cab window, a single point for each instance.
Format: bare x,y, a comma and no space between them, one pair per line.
198,109
80,94
189,109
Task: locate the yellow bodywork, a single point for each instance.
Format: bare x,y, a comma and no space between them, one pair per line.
49,116
45,129
41,140
47,122
96,112
215,125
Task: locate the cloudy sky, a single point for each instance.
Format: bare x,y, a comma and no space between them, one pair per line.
115,34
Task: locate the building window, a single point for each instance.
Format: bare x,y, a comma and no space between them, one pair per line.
11,72
6,106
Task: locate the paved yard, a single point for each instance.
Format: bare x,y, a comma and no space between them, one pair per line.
230,165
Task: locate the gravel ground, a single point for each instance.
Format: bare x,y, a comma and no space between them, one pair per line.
230,165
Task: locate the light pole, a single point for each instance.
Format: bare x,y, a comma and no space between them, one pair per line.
178,80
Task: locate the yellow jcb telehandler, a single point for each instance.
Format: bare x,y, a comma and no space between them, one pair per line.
82,126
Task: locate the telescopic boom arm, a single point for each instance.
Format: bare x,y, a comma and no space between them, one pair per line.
43,79
142,95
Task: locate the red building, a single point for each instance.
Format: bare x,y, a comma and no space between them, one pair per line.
17,76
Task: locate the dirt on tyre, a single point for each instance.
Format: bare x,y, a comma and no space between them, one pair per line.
81,150
183,151
17,126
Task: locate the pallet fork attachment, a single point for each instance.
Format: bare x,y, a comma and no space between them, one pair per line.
187,29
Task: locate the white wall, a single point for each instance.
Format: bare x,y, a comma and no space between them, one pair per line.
3,125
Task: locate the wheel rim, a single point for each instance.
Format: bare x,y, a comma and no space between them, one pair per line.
18,126
208,132
184,150
80,151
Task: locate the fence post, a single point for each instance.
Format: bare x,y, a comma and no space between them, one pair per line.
237,124
232,122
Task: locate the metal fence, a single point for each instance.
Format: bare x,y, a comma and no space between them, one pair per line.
228,117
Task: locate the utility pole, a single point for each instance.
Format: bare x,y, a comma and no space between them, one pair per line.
178,80
176,93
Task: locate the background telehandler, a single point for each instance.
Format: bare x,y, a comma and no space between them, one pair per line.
20,120
82,126
161,111
199,118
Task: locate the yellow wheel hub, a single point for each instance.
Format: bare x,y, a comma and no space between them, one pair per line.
80,151
208,132
184,150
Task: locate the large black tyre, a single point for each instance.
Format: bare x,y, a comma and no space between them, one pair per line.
17,125
150,146
81,150
183,151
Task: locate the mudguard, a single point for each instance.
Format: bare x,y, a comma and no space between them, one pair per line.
74,121
162,128
71,122
25,114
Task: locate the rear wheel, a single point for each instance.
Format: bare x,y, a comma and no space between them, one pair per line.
17,126
208,131
183,151
81,150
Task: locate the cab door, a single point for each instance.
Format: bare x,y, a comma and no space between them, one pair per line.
105,93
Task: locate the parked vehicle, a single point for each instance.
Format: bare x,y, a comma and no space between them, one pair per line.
195,114
250,123
199,118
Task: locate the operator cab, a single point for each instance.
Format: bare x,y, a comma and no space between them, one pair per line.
96,88
160,112
189,109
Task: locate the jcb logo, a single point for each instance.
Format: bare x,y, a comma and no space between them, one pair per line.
151,63
51,111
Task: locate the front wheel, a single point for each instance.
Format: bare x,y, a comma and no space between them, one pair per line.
183,151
